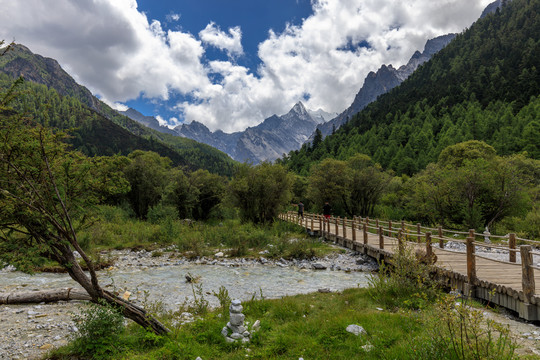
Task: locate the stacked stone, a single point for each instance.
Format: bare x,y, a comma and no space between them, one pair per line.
236,324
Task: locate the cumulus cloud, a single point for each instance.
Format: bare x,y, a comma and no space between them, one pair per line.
231,42
112,47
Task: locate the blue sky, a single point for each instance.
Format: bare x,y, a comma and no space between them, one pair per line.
229,64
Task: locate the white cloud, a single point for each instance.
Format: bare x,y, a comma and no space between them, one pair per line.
172,17
231,42
115,50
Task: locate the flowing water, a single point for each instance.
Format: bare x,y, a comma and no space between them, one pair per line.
168,283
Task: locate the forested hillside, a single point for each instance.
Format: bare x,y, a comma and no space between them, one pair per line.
482,86
51,97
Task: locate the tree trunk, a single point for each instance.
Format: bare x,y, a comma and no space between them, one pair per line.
67,259
32,297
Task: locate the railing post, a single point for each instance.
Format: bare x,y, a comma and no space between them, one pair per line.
441,241
381,238
471,234
353,229
367,220
527,272
418,232
365,234
337,228
402,225
306,222
471,261
390,228
312,230
429,250
512,246
320,226
400,240
344,228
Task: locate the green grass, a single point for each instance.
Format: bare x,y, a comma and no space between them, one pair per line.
310,326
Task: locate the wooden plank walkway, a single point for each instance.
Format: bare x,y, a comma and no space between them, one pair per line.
496,281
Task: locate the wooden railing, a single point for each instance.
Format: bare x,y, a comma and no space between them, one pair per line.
405,232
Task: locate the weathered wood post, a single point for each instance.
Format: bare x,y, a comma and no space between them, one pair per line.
344,228
367,220
429,250
512,246
337,228
441,241
312,229
527,272
418,232
320,225
400,240
471,264
306,222
471,234
402,225
353,226
389,227
365,234
381,238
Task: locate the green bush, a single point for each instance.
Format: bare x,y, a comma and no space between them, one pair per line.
459,331
161,213
405,283
100,329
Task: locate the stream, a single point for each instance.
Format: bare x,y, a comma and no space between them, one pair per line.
168,284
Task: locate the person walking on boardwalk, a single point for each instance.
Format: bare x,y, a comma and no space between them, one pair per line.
327,209
301,209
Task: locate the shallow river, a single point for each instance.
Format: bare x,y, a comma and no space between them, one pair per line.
168,283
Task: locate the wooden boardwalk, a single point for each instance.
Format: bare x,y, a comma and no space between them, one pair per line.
508,283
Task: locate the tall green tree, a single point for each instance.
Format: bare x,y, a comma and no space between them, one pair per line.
210,192
148,174
261,192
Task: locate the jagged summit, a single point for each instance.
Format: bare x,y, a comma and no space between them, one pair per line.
275,136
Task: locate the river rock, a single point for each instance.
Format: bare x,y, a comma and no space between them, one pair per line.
319,266
236,336
355,329
236,309
237,319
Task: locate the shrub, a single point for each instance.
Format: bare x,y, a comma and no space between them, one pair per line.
405,283
159,213
100,327
459,331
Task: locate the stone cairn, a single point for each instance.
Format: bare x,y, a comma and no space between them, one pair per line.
239,332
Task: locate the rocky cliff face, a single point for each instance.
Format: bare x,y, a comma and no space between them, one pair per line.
384,80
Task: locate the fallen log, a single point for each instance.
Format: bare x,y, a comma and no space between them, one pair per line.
43,296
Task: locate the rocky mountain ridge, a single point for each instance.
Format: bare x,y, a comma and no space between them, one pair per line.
275,136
